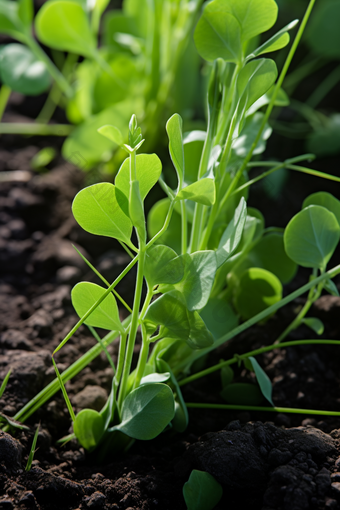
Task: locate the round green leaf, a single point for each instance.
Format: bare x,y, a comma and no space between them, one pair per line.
201,491
146,411
311,237
64,25
219,317
162,265
257,290
112,133
89,427
96,210
84,295
21,71
326,200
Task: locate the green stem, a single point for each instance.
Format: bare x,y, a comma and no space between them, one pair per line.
5,92
143,358
134,325
100,341
31,129
257,318
273,98
184,230
52,69
64,392
266,409
55,94
228,109
121,357
254,353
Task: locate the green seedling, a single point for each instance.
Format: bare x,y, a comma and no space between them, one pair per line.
201,491
210,267
32,450
133,67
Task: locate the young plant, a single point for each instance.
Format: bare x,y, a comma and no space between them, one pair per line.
143,48
201,491
210,267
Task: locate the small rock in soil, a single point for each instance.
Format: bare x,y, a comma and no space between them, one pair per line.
10,452
91,397
13,339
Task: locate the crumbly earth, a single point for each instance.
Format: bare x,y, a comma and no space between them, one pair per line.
262,460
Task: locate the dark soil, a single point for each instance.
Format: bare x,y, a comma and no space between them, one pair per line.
262,460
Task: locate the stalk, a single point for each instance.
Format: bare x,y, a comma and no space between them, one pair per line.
5,92
33,129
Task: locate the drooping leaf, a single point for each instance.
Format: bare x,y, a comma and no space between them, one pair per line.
89,428
219,317
257,290
21,71
242,394
311,237
106,315
112,133
263,380
325,200
146,411
315,324
177,321
64,25
96,210
174,130
162,265
201,491
232,235
281,100
242,144
148,170
199,273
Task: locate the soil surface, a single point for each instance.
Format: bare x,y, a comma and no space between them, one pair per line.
262,460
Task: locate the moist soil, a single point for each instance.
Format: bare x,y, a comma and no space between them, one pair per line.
262,460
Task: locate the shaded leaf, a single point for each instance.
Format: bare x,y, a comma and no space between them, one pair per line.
263,380
89,428
201,491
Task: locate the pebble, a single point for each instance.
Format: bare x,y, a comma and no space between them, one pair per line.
10,451
91,397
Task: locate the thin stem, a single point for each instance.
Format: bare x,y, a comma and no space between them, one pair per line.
266,409
134,325
254,353
121,357
184,230
26,128
5,92
64,392
257,318
142,360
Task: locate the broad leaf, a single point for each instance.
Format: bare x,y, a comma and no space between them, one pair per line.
148,170
193,144
232,235
326,200
89,428
219,317
202,191
177,321
112,133
96,210
146,411
162,265
315,324
263,380
242,144
257,290
311,237
201,491
218,33
196,284
21,71
64,25
84,295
